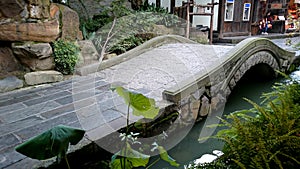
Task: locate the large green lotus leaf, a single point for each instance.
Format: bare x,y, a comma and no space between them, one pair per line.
140,104
132,157
138,162
117,164
53,142
136,158
165,156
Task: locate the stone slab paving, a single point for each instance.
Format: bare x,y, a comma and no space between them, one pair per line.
165,66
282,44
87,101
27,113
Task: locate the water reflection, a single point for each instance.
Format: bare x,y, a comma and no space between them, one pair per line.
296,75
189,148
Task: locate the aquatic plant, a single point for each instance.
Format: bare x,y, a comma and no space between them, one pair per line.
128,157
266,136
51,143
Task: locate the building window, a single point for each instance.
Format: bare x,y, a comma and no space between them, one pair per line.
229,8
246,11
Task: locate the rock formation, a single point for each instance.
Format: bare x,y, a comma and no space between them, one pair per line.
36,56
27,28
8,63
40,77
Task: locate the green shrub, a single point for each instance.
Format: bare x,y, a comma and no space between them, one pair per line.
268,135
129,24
65,56
297,46
91,25
117,9
126,44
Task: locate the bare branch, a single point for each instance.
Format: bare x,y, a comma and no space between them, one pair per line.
109,36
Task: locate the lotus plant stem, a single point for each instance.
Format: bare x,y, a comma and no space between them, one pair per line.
67,162
154,162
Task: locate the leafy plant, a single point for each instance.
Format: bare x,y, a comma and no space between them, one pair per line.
121,34
51,143
297,46
91,25
116,28
65,56
128,157
126,44
268,135
146,7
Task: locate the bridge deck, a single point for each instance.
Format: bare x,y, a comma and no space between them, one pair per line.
163,67
87,102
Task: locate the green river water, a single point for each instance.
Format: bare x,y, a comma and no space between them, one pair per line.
189,148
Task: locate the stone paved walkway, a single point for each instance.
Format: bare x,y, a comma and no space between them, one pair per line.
87,101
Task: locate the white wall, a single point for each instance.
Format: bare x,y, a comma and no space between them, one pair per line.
205,20
197,20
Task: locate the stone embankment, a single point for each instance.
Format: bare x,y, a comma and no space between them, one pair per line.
27,29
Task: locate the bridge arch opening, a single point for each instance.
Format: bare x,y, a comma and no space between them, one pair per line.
260,72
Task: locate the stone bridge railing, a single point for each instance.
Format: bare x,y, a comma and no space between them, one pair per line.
207,92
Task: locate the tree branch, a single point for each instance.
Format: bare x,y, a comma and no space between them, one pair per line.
109,36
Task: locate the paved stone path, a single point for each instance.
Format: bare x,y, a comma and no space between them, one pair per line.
163,67
87,102
282,44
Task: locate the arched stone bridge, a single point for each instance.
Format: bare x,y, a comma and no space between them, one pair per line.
209,91
192,78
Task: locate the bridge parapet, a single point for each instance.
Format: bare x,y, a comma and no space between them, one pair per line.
208,92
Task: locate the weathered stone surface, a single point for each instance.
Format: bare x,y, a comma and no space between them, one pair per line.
40,64
41,77
54,11
232,83
217,102
205,107
39,9
36,56
70,23
195,108
8,62
162,30
10,83
10,8
36,50
88,53
41,32
109,55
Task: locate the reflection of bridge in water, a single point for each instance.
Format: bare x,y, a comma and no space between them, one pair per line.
178,73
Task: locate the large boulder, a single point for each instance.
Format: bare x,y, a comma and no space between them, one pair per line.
69,22
41,77
10,83
11,8
47,31
24,9
8,62
37,20
88,53
36,56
